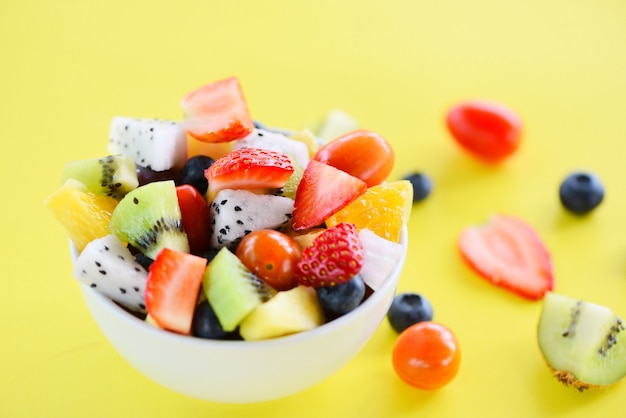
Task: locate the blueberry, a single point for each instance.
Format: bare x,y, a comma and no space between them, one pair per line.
193,172
581,192
407,309
342,298
147,175
422,186
205,323
209,254
144,260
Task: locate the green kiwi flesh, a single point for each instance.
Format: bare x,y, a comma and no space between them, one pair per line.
583,343
149,219
232,290
113,175
290,187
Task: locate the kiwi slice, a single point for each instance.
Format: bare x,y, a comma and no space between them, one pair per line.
583,343
290,187
232,290
149,219
113,175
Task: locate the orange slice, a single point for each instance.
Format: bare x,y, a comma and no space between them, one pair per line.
84,215
383,209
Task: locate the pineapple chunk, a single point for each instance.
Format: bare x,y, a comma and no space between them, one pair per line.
288,312
84,214
309,139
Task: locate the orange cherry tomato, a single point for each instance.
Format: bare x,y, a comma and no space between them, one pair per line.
271,255
427,355
488,130
361,153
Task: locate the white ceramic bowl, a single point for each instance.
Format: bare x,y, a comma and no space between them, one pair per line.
242,371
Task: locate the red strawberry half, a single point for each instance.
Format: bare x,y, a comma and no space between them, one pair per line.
250,169
322,191
217,112
172,289
334,257
509,253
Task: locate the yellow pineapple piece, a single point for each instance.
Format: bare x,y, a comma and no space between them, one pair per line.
383,209
308,138
306,237
288,312
84,214
214,150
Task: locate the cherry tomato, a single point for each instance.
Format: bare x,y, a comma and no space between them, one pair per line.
361,153
488,130
426,355
272,256
196,217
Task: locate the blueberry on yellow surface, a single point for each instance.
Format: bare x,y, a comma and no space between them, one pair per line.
581,192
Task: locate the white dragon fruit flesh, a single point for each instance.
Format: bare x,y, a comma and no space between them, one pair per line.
152,143
236,213
108,266
275,141
380,256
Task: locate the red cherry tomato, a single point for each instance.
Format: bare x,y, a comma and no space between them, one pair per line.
272,256
361,153
196,217
488,130
426,355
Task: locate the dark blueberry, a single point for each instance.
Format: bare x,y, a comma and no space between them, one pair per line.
342,298
205,323
143,260
407,309
581,192
422,186
209,254
146,175
233,335
193,172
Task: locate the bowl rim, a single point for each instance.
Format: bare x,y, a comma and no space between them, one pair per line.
326,328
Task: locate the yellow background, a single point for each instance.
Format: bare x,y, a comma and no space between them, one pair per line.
68,67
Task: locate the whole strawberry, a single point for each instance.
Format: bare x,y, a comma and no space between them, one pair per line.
334,257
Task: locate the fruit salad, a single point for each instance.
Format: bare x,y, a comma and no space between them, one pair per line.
218,227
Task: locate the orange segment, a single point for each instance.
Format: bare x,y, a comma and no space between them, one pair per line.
84,215
383,208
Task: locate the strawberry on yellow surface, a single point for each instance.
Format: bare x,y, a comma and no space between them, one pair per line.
84,215
383,209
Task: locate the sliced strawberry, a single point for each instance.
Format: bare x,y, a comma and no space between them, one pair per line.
509,253
334,257
217,112
196,217
250,169
172,289
323,190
